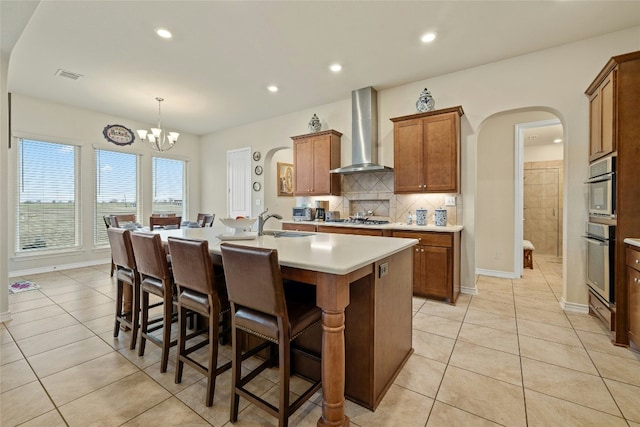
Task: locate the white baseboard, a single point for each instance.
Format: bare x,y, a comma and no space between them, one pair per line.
5,316
496,273
469,290
50,268
573,307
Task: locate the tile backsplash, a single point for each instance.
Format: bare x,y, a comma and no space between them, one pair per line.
373,191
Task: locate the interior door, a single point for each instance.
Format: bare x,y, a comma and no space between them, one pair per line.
239,182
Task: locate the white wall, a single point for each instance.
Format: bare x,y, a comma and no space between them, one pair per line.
47,121
495,186
543,153
552,79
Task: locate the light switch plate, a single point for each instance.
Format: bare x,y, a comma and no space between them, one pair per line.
450,200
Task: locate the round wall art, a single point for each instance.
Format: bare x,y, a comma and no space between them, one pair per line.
118,134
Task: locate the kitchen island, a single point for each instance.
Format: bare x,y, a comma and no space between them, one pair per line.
365,280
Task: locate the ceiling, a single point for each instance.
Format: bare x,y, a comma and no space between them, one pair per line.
213,74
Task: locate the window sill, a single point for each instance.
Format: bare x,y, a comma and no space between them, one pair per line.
23,256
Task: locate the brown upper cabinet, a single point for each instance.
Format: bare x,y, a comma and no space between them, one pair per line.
602,100
426,151
314,155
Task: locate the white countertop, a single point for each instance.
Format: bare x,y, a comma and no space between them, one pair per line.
391,226
632,242
324,252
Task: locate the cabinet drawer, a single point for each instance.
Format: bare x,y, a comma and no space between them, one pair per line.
427,238
599,309
350,230
633,259
299,227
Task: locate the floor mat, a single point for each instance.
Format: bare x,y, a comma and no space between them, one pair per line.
22,286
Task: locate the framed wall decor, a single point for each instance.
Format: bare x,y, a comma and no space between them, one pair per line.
285,179
118,134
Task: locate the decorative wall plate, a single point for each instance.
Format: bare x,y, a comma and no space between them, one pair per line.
257,186
256,155
258,170
118,134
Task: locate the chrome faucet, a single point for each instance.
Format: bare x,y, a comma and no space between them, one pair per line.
262,219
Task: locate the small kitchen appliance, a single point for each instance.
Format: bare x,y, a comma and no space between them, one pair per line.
331,216
302,214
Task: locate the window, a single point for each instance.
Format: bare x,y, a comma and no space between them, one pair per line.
116,189
47,205
168,186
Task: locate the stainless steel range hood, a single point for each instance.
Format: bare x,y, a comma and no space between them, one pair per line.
364,133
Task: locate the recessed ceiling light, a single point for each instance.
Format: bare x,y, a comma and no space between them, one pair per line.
557,140
164,33
335,67
272,88
428,37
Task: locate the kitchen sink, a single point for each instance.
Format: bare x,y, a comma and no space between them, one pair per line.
278,233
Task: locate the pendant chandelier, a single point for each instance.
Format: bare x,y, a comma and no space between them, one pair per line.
159,139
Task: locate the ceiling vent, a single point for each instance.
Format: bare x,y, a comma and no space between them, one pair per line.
67,74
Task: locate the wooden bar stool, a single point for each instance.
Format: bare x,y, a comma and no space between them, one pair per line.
156,279
127,279
198,291
258,307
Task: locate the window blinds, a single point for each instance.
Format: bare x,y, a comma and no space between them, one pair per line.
116,176
168,186
47,196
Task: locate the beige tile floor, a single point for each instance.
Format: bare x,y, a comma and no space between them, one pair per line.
507,356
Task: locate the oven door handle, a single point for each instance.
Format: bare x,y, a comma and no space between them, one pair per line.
597,242
600,178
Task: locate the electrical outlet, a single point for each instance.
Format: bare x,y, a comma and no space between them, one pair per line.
258,202
383,269
450,200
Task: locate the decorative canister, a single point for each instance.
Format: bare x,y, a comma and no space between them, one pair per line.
440,217
421,216
425,102
314,124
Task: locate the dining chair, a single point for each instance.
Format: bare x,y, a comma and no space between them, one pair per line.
122,220
166,222
107,223
155,279
205,220
259,307
199,291
127,282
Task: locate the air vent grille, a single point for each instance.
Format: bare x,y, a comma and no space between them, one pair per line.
67,74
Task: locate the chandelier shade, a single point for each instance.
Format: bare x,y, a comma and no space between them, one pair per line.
159,139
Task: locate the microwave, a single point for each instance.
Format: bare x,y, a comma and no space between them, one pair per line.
302,214
602,188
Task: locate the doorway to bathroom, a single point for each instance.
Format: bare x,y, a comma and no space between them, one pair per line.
542,185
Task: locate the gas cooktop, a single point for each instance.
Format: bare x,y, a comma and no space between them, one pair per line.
360,221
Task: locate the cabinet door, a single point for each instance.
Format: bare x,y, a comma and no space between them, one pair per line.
408,156
607,125
633,283
303,159
321,165
441,138
437,271
595,143
602,138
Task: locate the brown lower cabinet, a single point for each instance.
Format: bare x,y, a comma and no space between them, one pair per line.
633,282
436,264
377,334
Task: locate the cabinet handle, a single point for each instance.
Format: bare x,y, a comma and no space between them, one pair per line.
635,280
637,261
417,250
421,250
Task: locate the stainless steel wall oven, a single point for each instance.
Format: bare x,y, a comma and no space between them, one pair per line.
602,188
600,260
